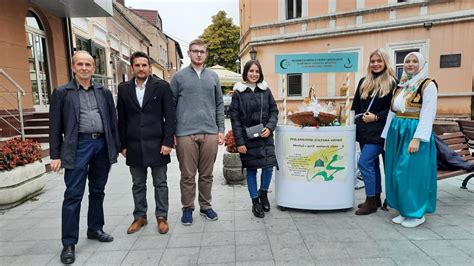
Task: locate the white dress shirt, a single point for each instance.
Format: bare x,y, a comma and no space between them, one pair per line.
140,90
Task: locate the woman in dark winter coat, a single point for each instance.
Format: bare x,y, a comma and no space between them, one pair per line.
371,105
253,104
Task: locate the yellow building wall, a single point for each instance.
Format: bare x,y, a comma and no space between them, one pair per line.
442,38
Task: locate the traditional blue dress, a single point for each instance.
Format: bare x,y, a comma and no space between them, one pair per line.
410,179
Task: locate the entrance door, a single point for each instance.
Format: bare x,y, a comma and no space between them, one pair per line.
38,62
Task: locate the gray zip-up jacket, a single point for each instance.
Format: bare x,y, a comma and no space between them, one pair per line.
199,102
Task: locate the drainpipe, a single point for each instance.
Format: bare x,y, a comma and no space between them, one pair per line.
68,41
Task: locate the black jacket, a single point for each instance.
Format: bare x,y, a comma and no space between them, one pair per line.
64,123
245,112
370,132
143,130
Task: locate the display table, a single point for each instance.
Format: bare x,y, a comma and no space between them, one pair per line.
316,167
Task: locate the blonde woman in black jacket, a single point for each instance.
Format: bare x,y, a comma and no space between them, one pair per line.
371,105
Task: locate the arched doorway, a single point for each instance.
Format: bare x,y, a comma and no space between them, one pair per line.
38,61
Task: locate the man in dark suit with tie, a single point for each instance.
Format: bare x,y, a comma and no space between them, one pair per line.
146,119
83,139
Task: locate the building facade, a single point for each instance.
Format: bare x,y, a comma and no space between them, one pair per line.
438,29
36,47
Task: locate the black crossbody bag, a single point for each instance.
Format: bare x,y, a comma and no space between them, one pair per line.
256,131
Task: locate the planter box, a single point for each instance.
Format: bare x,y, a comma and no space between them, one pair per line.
233,168
21,183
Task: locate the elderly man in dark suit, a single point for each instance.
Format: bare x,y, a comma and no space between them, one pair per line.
147,125
83,137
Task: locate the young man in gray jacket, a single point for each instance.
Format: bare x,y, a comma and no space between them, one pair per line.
199,130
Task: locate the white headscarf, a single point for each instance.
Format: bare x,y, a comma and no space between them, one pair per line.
407,81
410,82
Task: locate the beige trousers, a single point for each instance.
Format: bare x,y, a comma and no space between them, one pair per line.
196,153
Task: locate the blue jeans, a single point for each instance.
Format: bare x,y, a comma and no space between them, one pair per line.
92,163
369,166
266,177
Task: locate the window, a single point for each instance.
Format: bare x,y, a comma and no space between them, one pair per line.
82,44
98,52
293,9
294,84
399,56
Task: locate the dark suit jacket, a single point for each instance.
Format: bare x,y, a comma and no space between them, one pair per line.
64,123
144,130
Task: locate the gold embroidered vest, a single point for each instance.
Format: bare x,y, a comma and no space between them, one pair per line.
414,101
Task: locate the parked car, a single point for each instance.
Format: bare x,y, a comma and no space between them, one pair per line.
227,101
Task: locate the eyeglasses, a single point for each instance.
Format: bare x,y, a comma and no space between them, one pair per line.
198,52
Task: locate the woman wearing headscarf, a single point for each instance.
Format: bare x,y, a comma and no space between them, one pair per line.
410,152
371,104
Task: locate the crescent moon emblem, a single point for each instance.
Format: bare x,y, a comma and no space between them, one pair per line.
348,65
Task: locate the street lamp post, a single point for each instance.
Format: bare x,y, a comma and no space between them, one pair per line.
253,53
237,62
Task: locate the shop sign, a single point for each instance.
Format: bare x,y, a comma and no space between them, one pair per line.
316,63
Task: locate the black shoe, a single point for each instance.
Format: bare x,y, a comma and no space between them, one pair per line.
257,208
100,235
68,254
264,200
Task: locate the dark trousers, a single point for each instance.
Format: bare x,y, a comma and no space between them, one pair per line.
92,163
139,175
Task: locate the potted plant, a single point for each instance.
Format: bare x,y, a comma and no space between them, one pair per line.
233,172
21,172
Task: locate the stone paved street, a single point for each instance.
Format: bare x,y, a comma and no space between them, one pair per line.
30,233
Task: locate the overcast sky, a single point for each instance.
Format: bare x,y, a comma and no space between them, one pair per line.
185,20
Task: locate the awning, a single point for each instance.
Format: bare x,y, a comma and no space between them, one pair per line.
76,8
226,77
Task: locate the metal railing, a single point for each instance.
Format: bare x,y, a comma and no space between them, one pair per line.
19,93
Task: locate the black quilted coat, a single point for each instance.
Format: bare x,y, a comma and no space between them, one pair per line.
245,112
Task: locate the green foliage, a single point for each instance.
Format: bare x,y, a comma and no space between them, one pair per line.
222,37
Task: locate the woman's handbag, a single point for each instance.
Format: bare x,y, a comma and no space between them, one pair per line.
256,131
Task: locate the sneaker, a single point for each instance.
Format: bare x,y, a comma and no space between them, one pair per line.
359,184
210,214
187,218
413,222
398,220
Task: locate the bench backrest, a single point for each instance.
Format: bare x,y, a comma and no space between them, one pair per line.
457,142
467,127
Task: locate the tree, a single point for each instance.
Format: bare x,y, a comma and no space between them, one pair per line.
222,38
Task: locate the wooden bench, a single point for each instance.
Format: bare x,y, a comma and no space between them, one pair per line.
457,142
467,128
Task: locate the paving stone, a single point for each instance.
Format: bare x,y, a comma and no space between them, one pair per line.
253,253
251,238
185,240
107,257
151,242
180,256
218,239
220,254
297,253
439,248
143,257
361,262
41,259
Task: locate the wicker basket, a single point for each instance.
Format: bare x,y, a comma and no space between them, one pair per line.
308,119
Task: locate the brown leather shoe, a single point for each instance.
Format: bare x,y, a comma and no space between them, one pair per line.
136,225
163,226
